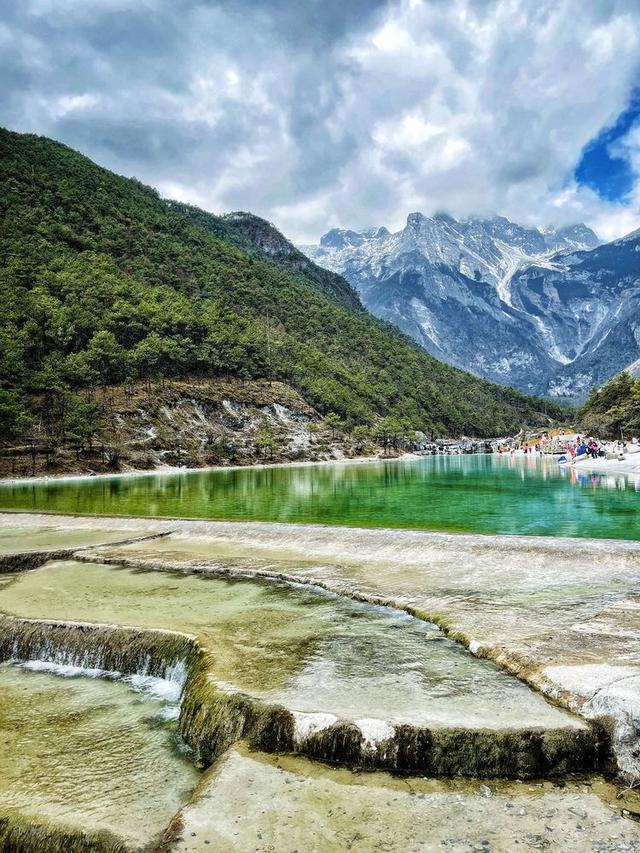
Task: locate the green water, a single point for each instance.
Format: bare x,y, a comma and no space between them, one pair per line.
89,755
481,494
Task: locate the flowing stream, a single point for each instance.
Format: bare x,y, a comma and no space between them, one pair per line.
314,653
119,678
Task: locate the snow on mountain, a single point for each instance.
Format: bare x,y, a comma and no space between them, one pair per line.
590,303
547,310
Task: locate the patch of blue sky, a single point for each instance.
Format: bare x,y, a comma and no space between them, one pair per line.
603,166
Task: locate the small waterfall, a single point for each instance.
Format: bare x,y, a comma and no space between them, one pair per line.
127,651
307,724
212,719
375,732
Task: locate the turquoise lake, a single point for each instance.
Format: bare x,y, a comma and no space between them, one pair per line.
478,493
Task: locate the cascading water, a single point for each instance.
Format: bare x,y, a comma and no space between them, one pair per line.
97,648
560,614
87,764
287,669
319,666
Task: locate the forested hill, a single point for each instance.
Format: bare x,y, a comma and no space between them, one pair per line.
103,283
254,234
613,411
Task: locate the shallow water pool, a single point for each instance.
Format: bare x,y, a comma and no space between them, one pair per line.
311,651
89,754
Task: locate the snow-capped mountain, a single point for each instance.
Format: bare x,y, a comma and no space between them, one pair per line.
547,310
587,306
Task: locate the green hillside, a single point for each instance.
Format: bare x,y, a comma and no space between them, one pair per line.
257,236
613,411
102,282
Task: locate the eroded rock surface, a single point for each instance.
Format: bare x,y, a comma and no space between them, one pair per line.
253,802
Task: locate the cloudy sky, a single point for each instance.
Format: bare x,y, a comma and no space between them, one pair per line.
317,113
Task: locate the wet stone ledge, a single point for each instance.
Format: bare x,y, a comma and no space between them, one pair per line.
23,561
212,718
19,834
601,703
128,651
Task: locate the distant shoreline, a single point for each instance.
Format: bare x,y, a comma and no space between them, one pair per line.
629,465
169,469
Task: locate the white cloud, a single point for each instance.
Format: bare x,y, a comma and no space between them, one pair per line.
345,114
406,132
515,90
66,104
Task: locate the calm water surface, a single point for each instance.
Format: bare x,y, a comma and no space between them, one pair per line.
480,494
89,754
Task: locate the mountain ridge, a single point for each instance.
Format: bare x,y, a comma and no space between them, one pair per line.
253,233
497,298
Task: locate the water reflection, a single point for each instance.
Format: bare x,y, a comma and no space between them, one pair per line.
485,494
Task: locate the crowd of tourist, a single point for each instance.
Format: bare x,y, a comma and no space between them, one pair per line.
591,448
569,448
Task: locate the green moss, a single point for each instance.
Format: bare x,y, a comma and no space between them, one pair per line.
567,752
341,743
490,754
126,650
272,730
25,560
18,834
211,720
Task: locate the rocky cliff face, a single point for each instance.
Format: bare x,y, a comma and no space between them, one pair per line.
548,311
190,423
587,305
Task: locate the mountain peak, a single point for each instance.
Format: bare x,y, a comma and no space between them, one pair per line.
442,216
632,235
338,238
514,303
376,233
578,233
415,220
